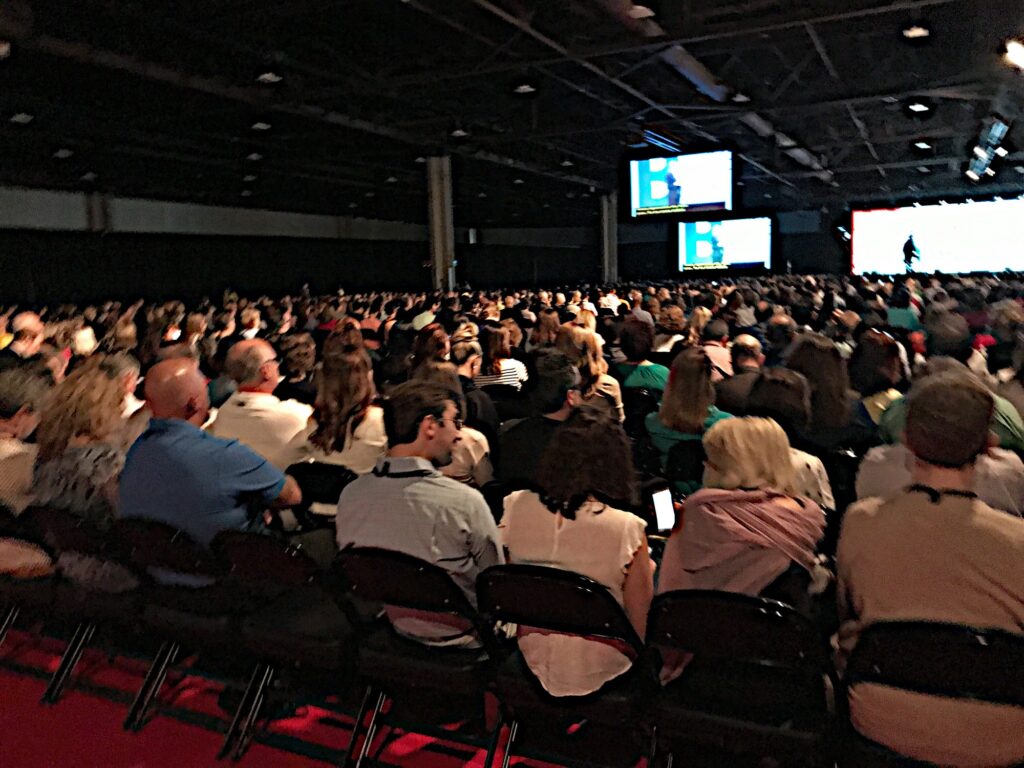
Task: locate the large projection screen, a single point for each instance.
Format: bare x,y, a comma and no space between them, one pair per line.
965,237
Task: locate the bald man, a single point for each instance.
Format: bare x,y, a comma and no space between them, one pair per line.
747,358
180,475
254,415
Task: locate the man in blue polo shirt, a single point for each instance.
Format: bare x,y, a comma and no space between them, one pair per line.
177,474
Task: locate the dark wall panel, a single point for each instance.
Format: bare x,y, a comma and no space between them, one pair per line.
47,267
487,266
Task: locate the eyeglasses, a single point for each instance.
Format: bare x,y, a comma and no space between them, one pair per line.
456,422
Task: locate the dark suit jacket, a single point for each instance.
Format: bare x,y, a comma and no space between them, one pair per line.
731,394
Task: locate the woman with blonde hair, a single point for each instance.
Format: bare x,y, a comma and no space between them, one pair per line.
597,388
80,437
699,319
747,531
688,406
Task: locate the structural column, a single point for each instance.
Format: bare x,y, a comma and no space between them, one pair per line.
610,237
442,226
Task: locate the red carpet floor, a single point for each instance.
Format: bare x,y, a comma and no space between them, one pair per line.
83,730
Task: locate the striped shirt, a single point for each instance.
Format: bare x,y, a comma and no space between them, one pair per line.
513,373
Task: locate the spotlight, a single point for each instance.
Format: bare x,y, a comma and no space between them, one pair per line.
916,31
990,172
459,133
261,126
918,108
567,163
924,146
1002,151
980,153
269,78
973,175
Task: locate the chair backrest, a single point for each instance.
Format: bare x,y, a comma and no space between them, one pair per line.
62,532
502,392
157,545
263,561
637,403
949,660
685,463
404,581
554,600
737,628
321,483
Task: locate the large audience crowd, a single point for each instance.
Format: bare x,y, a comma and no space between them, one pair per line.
524,426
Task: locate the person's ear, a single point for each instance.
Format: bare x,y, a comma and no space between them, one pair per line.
992,442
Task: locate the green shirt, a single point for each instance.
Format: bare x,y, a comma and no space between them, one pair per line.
651,376
1006,423
664,438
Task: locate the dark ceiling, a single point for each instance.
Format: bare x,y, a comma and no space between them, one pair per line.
160,99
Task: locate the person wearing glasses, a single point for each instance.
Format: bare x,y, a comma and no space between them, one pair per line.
253,415
407,505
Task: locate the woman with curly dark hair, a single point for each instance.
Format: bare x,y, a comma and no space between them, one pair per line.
299,353
575,521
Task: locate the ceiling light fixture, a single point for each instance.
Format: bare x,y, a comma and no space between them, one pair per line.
980,153
1015,53
249,177
421,159
353,205
246,193
990,171
567,163
459,133
22,118
63,154
482,195
269,78
640,12
917,30
1002,151
254,156
918,107
973,175
369,194
524,89
5,49
391,179
261,126
923,169
518,181
923,145
88,176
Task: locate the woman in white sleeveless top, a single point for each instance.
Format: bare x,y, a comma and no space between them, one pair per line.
567,525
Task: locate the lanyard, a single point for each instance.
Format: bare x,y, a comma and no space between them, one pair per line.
935,494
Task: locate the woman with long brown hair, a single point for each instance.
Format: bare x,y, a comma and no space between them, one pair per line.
598,389
499,367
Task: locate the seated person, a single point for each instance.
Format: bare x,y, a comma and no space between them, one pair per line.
935,552
687,410
22,391
498,366
747,531
747,359
299,352
636,340
407,505
253,415
177,474
875,369
598,389
715,341
555,396
575,522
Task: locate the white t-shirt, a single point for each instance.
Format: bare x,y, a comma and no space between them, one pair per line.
513,373
600,543
264,423
363,445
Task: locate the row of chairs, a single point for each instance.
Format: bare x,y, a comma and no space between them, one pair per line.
756,683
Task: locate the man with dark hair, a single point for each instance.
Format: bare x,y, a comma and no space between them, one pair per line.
747,358
407,505
555,398
715,339
935,552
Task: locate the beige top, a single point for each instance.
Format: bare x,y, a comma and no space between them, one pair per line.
16,462
264,423
363,445
471,459
600,544
958,560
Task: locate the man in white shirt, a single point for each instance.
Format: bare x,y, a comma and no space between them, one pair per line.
253,415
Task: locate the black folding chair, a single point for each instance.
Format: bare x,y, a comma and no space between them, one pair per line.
553,600
188,605
108,595
637,403
24,596
685,463
938,659
841,467
439,684
754,684
321,484
509,402
298,626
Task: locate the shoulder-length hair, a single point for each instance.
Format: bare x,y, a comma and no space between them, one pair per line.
689,394
430,344
581,347
699,319
588,456
344,391
496,346
87,404
819,360
749,453
546,329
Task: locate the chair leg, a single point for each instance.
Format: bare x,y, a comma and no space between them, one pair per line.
492,746
8,622
357,728
248,728
248,709
508,747
371,730
83,634
151,686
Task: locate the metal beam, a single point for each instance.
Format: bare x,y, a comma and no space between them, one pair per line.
819,46
909,6
152,71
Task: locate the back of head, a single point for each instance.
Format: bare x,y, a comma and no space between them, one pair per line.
408,404
784,396
948,419
636,339
948,335
175,389
299,351
344,390
716,330
875,363
556,377
245,359
87,404
588,455
690,392
671,319
496,346
22,387
748,453
746,350
819,360
462,351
